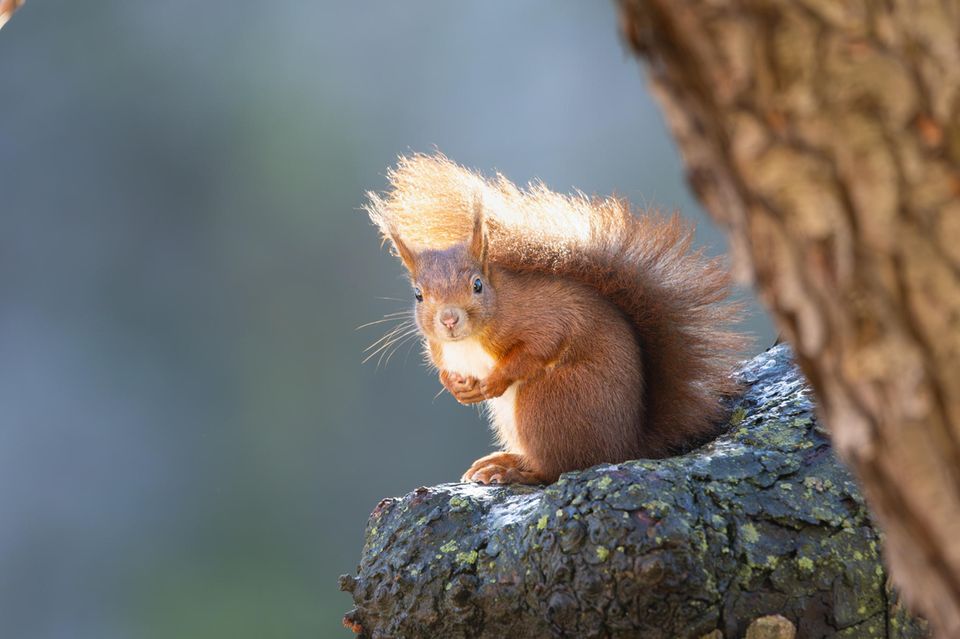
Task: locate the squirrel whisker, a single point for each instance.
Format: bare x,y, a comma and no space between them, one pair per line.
392,338
405,339
387,351
391,333
385,319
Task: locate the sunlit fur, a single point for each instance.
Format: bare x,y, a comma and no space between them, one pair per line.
615,330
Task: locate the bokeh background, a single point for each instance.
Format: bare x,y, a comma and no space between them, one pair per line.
189,443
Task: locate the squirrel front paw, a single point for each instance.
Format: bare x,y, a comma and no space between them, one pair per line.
465,390
494,386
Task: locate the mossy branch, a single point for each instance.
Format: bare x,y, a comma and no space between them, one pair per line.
762,521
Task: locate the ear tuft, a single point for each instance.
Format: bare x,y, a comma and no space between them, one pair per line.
403,251
478,237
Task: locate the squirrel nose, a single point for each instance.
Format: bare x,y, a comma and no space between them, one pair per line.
449,317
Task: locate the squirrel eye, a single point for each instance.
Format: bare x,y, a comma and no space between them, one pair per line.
417,293
477,286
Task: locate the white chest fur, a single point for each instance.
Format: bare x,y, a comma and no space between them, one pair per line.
468,357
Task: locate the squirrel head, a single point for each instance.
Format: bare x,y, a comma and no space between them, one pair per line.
454,296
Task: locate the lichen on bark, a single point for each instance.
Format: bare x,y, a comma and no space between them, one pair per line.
762,521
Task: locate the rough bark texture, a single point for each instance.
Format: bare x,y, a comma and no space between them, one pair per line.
762,521
826,136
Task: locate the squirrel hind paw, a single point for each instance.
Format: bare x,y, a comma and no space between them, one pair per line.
501,468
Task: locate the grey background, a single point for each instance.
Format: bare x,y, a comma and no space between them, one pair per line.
189,443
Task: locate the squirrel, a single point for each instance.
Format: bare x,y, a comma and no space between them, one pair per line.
592,335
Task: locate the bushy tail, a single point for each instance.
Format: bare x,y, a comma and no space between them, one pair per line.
675,298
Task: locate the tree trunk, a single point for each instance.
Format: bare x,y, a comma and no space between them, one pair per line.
764,520
826,137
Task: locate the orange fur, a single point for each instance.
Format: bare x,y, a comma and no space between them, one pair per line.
608,334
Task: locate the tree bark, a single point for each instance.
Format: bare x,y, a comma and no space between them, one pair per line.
762,521
826,137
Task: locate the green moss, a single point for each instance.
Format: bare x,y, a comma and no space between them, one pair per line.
805,563
542,522
604,482
750,534
467,557
602,553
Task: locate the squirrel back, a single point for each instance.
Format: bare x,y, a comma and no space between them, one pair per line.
674,298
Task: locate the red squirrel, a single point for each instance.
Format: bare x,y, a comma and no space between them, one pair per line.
592,335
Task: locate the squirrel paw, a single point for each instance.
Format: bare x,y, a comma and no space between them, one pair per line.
501,468
494,386
465,390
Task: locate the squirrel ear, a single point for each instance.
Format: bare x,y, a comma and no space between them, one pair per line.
403,251
478,239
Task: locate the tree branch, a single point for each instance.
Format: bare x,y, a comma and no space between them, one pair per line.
762,521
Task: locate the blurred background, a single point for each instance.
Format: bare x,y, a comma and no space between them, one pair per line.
189,442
